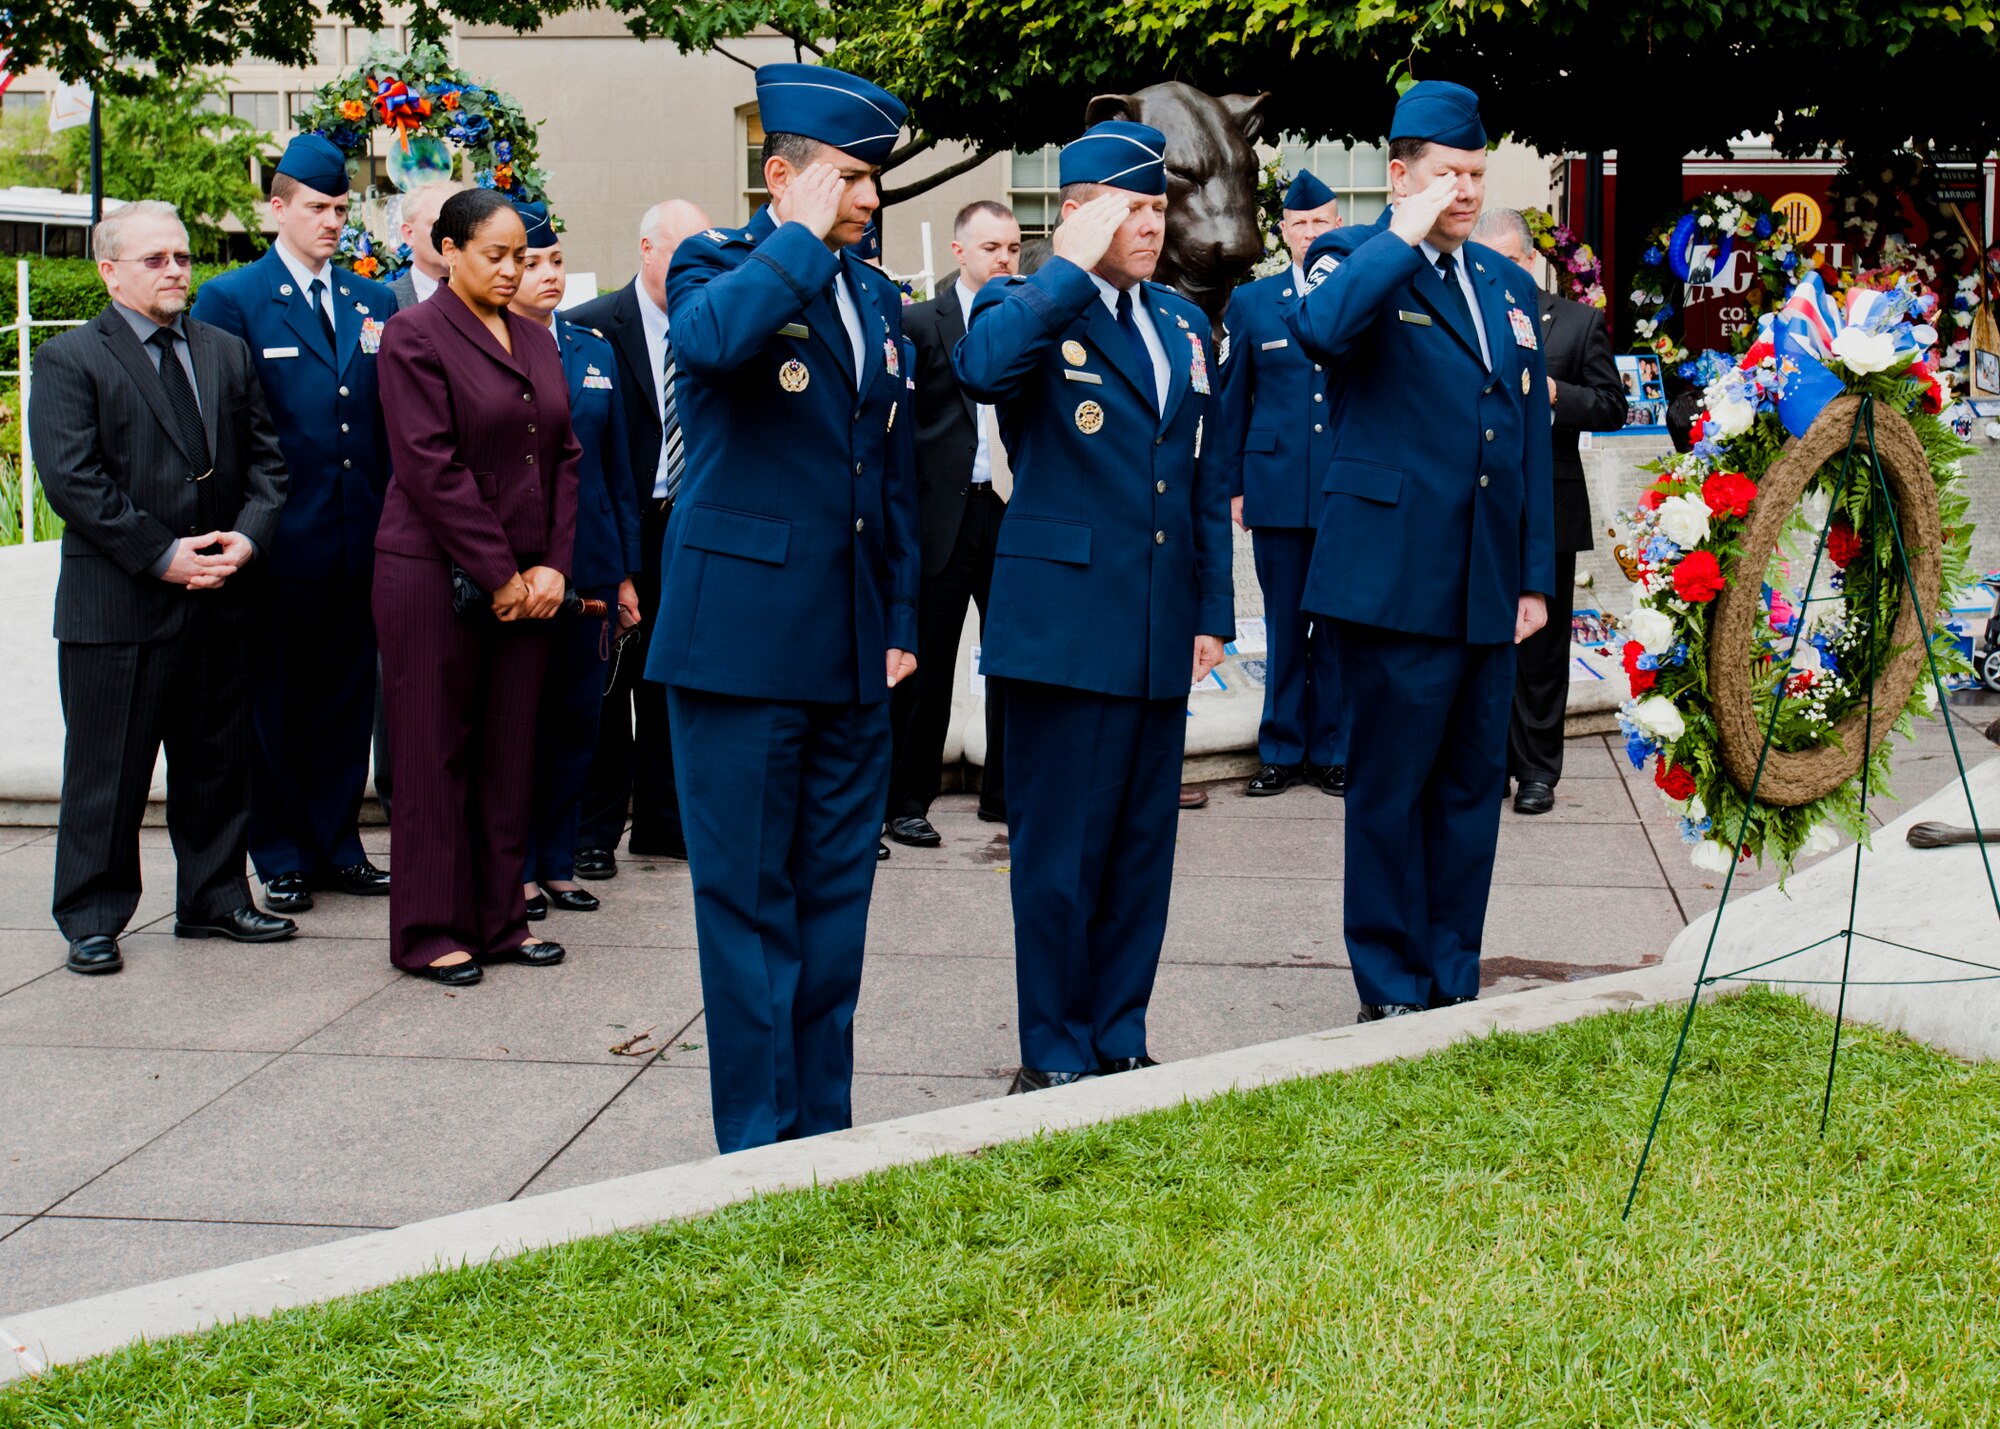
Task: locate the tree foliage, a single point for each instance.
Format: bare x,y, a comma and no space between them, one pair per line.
169,138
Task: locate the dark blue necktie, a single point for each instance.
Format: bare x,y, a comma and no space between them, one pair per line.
1454,296
1129,321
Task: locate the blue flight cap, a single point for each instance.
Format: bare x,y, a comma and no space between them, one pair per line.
1440,112
316,162
1119,153
1307,192
870,244
541,226
829,105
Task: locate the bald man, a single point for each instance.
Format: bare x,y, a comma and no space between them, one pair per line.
634,762
419,211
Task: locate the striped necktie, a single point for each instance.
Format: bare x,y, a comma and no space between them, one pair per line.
673,455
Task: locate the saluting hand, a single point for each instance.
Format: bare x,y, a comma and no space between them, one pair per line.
1085,236
812,198
1417,214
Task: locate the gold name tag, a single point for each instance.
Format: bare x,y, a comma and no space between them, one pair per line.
794,330
1270,346
1420,319
1074,376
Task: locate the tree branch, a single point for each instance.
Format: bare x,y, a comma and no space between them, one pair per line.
800,42
907,151
943,176
734,59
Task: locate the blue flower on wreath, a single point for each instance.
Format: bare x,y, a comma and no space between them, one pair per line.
503,151
1764,227
1653,257
484,179
403,253
473,92
1822,643
1648,662
1660,550
1678,655
1666,312
1639,745
1694,833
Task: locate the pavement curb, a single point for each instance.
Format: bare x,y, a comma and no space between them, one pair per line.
65,1334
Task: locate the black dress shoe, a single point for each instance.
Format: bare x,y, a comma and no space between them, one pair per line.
287,893
570,900
463,974
95,955
535,955
245,925
914,830
363,880
992,816
881,851
1332,779
1534,797
669,845
1030,1080
1124,1064
1456,1001
1273,779
1192,798
596,864
1377,1012
538,908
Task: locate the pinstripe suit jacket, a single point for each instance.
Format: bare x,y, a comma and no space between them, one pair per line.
107,449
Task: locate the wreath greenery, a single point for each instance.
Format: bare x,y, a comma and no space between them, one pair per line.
1727,221
423,96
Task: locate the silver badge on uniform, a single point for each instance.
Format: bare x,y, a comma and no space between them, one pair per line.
793,376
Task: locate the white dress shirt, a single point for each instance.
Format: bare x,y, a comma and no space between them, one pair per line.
1431,256
653,319
423,283
1162,373
304,277
850,318
982,456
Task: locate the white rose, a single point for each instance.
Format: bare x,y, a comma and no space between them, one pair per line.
1711,856
1806,659
1822,839
1696,810
1864,351
1651,629
1930,697
1684,521
1732,412
1657,716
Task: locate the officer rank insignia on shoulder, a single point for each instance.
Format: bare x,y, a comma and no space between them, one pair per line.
1089,418
793,376
715,235
1198,364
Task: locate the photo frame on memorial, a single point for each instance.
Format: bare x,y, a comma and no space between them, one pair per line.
1985,373
1645,404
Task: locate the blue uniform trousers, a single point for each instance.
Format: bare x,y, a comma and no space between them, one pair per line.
781,803
312,708
1093,804
566,737
1428,745
1302,722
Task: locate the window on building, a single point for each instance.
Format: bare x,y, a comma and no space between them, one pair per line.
295,103
1032,187
23,101
363,43
259,107
755,195
1358,174
326,46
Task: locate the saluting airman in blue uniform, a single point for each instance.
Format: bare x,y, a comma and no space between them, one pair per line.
313,330
789,600
1271,436
1111,594
1435,548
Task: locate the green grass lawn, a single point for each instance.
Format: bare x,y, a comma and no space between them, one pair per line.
1427,1243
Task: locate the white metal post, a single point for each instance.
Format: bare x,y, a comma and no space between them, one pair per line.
930,264
21,331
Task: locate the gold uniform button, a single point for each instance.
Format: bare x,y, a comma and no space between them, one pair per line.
343,391
531,461
1489,434
857,471
1483,480
858,523
1318,428
347,466
1159,538
531,429
1319,396
527,396
1161,487
343,426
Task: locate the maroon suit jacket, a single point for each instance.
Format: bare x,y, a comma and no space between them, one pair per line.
484,461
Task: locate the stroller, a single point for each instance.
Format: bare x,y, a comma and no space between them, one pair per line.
1986,657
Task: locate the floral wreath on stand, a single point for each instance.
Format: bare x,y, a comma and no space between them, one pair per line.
440,115
1577,268
1272,181
1807,647
1726,221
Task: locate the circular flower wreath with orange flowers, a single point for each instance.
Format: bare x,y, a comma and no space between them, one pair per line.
423,99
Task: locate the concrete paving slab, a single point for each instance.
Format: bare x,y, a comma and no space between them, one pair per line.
73,1112
358,1141
1199,1009
1297,920
10,1224
1541,854
1302,848
27,955
1531,928
1302,801
27,873
953,912
199,996
1579,801
940,1015
58,1257
597,998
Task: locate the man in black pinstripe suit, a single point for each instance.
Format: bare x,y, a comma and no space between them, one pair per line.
156,449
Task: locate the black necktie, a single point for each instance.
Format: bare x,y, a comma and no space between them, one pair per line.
673,455
319,310
187,417
1454,296
1129,321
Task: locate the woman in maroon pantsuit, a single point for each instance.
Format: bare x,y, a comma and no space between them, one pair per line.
485,478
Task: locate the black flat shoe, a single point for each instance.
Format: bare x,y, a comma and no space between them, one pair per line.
596,864
534,955
916,831
94,956
663,846
570,900
1379,1012
881,851
245,925
1030,1080
1124,1064
1333,780
1273,779
992,816
363,880
287,893
463,974
1534,797
538,908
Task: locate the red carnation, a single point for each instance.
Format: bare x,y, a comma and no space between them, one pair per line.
1842,544
1650,500
1932,392
1729,493
1698,427
1757,353
1675,780
1698,577
1642,680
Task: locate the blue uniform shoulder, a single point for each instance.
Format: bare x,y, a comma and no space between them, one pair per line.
1188,315
367,289
585,339
888,292
1498,264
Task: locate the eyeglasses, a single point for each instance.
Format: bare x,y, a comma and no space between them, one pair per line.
157,261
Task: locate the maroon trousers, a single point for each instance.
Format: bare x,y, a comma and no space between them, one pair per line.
461,696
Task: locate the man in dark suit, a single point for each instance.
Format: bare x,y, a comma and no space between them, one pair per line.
1585,395
313,330
156,450
633,767
961,495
